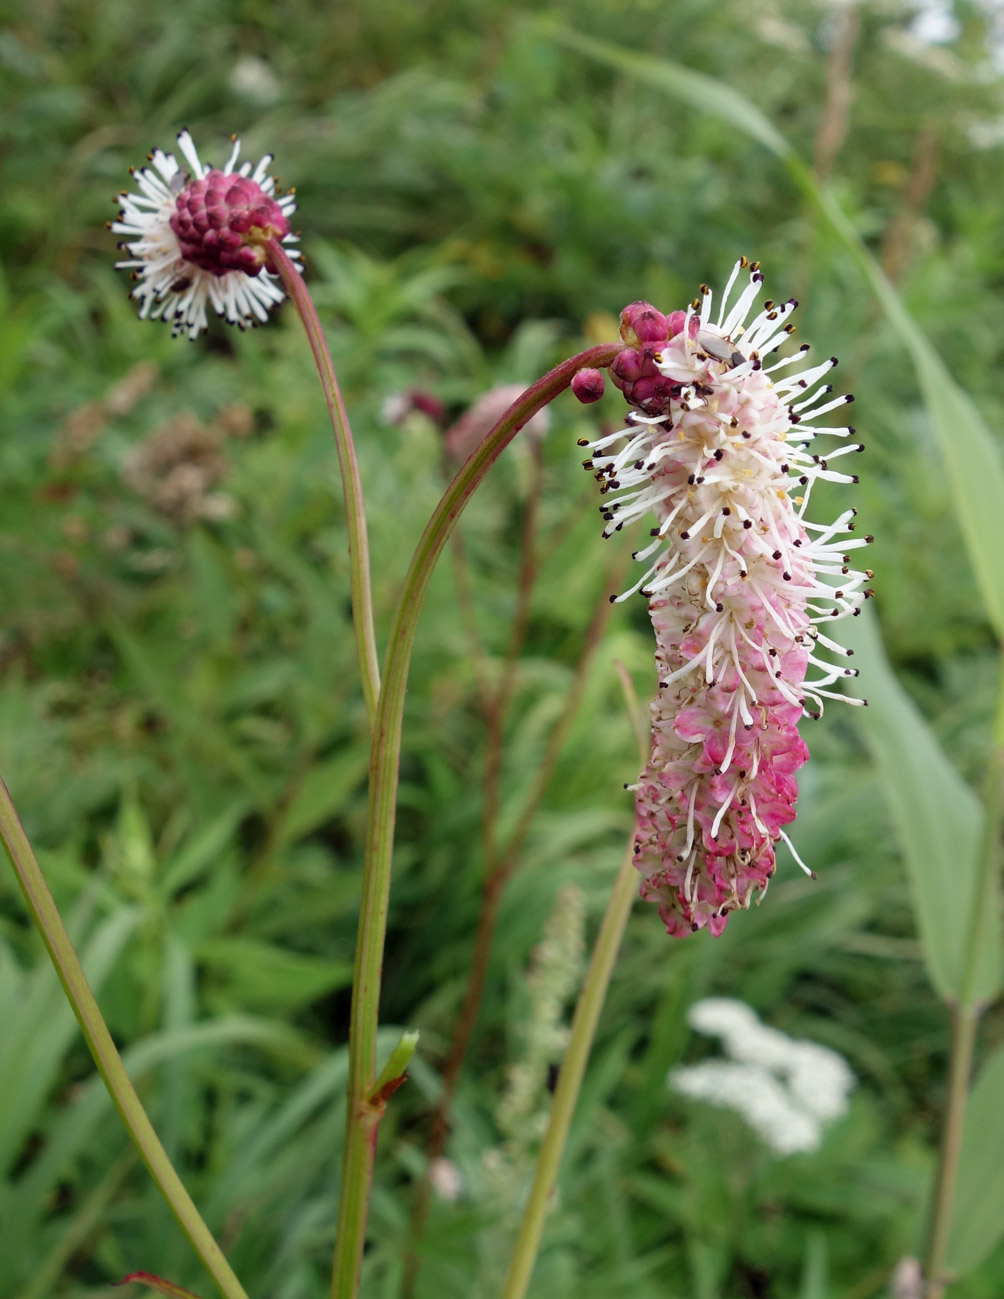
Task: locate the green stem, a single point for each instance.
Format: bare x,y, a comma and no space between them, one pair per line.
966,1014
988,874
99,1042
352,488
960,1067
573,1068
362,1117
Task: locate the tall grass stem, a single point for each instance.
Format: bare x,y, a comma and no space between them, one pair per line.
964,1024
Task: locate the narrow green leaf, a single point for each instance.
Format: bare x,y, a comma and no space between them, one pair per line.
201,850
972,458
398,1060
938,819
262,977
978,1209
703,93
971,453
324,792
42,1029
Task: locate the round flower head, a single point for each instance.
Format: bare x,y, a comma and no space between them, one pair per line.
199,236
719,450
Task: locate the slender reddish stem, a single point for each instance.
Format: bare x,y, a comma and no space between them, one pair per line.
352,488
361,1121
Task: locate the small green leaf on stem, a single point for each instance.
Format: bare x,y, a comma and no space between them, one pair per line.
392,1075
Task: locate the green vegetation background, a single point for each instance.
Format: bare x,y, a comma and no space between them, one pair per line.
180,722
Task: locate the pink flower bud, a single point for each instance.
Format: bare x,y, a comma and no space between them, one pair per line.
677,321
627,366
641,323
588,385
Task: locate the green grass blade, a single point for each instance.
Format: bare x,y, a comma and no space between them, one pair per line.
37,1038
75,1126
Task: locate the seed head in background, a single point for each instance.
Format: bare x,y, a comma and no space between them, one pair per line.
719,449
198,237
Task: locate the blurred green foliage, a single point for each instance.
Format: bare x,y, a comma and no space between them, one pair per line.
180,722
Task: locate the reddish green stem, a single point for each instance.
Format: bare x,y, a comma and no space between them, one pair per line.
363,1116
352,488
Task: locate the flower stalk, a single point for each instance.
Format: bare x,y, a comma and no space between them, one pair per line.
352,490
504,864
362,1116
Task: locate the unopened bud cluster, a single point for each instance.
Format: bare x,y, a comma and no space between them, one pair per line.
635,370
224,222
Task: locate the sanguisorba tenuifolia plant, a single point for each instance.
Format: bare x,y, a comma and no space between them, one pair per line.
719,449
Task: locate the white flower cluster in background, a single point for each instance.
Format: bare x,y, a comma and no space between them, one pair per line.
786,1090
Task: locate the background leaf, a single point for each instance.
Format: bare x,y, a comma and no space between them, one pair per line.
939,822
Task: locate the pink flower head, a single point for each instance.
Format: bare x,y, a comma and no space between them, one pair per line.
198,237
719,450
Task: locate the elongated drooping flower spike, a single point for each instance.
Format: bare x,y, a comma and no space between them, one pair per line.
720,449
198,237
